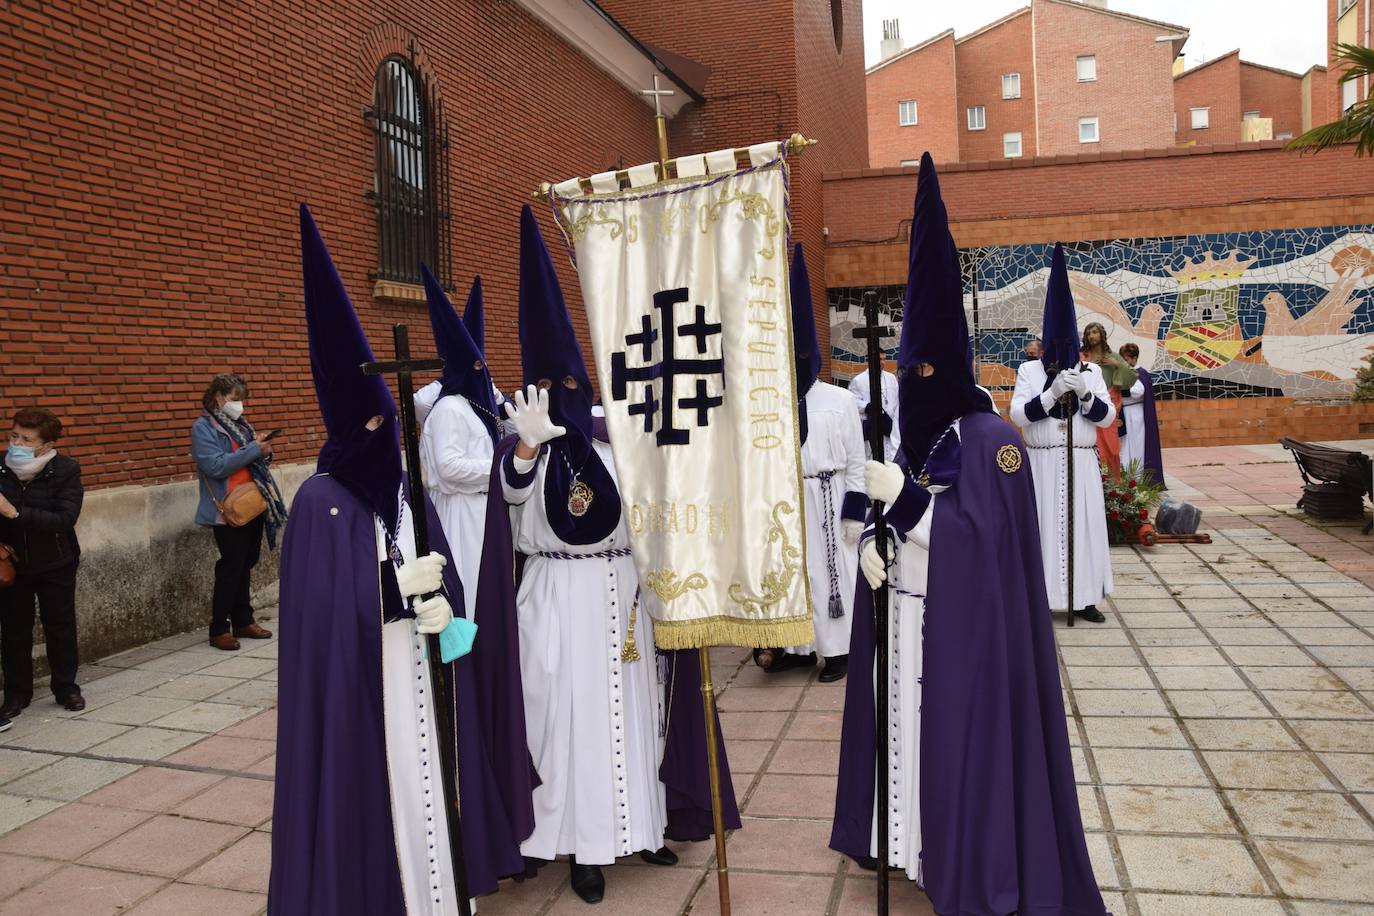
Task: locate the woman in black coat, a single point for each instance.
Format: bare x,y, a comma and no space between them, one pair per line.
40,500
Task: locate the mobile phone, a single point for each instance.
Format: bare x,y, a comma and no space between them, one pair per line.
274,434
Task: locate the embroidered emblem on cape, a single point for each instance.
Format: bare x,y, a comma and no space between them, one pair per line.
1009,459
579,499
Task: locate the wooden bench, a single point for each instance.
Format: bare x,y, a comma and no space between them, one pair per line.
1335,481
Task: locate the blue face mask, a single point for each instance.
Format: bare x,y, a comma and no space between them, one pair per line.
22,453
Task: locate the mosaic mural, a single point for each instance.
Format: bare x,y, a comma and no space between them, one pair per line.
1243,314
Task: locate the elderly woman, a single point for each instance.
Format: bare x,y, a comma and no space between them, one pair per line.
230,455
40,499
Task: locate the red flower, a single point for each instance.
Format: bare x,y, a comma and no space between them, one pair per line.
1133,484
1113,515
1112,494
1144,513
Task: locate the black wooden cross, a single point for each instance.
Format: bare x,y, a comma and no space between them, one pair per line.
404,368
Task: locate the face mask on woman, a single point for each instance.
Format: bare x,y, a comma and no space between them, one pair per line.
22,453
233,409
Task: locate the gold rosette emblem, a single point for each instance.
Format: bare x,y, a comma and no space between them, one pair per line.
1009,459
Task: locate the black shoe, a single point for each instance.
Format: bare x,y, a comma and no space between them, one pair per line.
5,724
1091,614
587,882
867,863
664,856
786,661
12,708
835,669
73,701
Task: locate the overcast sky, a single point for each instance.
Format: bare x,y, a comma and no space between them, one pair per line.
1281,33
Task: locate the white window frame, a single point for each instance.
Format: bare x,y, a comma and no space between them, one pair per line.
1250,116
1284,135
1350,94
1096,126
1014,93
1009,137
1203,123
902,112
982,112
1091,61
910,163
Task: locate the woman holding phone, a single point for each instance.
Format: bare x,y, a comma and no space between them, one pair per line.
239,500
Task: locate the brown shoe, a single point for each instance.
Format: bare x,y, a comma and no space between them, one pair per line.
252,631
225,641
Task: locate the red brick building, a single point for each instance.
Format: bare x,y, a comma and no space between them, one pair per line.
1230,100
1347,22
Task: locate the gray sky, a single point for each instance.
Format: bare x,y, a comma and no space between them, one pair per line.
1281,33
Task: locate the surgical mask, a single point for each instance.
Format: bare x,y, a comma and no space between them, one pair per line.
233,409
22,453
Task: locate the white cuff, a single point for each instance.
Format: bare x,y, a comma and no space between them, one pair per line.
523,465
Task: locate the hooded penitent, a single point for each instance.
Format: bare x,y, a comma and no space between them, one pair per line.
551,358
465,368
1060,334
367,462
934,329
805,345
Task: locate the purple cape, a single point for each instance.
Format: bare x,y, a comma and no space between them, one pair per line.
332,836
684,771
1000,825
1154,458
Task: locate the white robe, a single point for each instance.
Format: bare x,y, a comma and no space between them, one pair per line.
591,720
455,453
833,464
412,757
859,388
1045,444
1133,410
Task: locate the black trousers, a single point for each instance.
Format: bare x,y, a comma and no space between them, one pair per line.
239,549
55,594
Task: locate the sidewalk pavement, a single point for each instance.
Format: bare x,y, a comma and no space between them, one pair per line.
1222,722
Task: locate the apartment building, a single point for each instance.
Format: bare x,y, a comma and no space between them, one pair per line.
1230,100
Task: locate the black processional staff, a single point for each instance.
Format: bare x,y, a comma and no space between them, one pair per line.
1069,403
873,333
403,367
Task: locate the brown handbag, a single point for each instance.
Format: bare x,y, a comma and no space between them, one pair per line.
7,568
240,505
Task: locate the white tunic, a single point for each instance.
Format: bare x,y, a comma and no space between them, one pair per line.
455,453
591,720
858,387
412,756
1045,444
1133,410
833,465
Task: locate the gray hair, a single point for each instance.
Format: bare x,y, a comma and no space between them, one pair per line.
226,383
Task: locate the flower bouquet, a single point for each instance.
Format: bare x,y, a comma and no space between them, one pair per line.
1131,497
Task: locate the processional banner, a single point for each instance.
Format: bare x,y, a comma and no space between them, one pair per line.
686,288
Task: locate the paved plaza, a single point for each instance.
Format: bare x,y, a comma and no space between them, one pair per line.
1223,723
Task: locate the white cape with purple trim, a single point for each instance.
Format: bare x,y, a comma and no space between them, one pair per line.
686,289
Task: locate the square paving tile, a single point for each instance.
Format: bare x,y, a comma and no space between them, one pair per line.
65,736
1241,735
1126,731
87,891
1356,771
153,789
1120,703
17,810
224,753
1109,678
1097,656
1266,770
1306,815
1276,656
206,717
1171,637
249,693
182,662
70,831
186,899
1190,656
135,710
69,778
1249,636
816,725
147,743
19,872
783,845
192,687
1318,704
15,763
1132,766
1306,869
791,796
860,898
1202,864
245,866
1345,656
1218,704
245,667
1328,735
761,726
1290,678
1186,677
820,758
752,699
1154,809
165,845
246,802
1191,905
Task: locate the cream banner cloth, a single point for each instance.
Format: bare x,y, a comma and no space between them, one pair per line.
686,288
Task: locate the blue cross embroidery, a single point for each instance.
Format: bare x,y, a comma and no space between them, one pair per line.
651,405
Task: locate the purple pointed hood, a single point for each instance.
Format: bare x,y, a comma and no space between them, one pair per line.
465,369
1060,334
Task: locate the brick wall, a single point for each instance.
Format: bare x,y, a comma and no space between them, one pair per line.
153,163
1275,94
927,76
1251,421
1216,86
1132,96
982,59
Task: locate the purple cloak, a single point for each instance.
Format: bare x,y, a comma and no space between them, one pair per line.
1000,825
1154,458
684,770
332,835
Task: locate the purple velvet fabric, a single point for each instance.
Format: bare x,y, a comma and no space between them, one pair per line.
1154,458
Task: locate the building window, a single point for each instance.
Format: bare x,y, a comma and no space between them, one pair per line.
977,118
1087,130
906,113
1175,122
910,163
1284,135
1349,95
837,23
1250,116
1087,68
411,180
1345,5
1011,85
1011,145
1200,117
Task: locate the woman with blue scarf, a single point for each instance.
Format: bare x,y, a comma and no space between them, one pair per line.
230,454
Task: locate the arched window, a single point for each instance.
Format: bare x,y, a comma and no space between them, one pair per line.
411,181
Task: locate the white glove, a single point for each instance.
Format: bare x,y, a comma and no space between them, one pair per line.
883,480
852,530
529,414
875,570
422,576
1080,384
1064,382
432,615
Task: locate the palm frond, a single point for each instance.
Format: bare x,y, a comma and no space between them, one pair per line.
1357,124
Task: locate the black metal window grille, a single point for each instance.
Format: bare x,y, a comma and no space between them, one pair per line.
411,183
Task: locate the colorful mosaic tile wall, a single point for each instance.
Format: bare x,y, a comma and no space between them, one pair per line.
1242,314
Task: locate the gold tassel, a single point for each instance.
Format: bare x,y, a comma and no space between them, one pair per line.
630,652
733,631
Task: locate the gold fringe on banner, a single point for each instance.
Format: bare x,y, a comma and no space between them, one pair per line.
733,631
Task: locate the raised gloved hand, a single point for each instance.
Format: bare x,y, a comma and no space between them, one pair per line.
852,530
1080,384
529,415
883,480
422,576
1064,382
432,615
872,564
